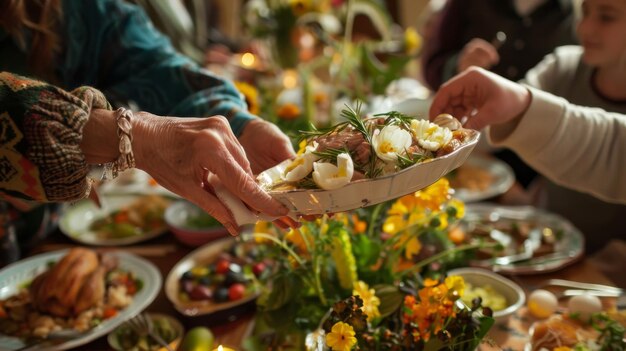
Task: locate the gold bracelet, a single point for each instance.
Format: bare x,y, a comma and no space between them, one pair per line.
126,160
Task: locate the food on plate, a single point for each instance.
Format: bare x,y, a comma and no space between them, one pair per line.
141,216
542,303
471,177
562,332
369,148
490,297
230,277
77,292
512,234
126,338
583,306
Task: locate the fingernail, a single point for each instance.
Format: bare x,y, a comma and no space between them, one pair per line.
231,229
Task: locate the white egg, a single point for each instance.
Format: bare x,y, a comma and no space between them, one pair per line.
542,303
584,306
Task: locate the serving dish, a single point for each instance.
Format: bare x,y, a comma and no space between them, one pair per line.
124,338
77,220
16,275
511,291
191,225
481,178
561,244
203,258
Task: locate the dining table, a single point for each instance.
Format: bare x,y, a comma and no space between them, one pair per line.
233,326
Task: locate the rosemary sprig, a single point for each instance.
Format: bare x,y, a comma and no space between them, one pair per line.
331,154
396,118
408,160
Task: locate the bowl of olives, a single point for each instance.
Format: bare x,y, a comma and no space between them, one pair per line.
216,277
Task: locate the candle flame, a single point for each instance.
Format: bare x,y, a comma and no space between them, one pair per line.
220,348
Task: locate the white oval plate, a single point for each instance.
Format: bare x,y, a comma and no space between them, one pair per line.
14,276
77,219
202,255
133,181
365,192
503,179
567,250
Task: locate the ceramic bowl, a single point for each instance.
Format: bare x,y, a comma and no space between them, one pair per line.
191,225
512,292
124,338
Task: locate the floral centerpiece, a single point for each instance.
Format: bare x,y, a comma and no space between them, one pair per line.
372,279
316,64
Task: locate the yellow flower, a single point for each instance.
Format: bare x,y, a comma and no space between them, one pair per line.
262,227
297,237
412,248
341,337
370,300
434,196
412,41
288,111
251,95
300,7
562,348
456,283
459,206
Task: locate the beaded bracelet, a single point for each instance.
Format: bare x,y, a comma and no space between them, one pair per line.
126,160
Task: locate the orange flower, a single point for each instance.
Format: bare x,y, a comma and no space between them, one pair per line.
288,111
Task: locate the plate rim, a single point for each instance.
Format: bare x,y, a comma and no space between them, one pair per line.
137,306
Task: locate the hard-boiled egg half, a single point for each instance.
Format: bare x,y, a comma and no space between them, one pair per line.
302,165
328,176
429,135
390,142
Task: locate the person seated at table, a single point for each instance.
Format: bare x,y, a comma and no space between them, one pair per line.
111,45
507,37
594,75
579,147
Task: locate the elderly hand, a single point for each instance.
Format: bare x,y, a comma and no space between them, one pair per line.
483,97
180,153
265,145
478,52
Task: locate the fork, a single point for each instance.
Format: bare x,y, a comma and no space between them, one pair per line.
142,324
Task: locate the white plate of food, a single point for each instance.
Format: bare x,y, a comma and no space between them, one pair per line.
557,242
481,178
122,220
18,285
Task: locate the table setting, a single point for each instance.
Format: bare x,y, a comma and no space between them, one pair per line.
407,240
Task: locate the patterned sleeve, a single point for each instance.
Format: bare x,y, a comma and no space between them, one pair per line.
41,130
112,45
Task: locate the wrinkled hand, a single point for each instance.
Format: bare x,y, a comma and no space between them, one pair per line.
265,145
483,97
478,52
180,153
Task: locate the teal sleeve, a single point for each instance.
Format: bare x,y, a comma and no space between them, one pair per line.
112,45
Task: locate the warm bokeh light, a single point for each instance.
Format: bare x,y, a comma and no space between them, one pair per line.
248,59
290,79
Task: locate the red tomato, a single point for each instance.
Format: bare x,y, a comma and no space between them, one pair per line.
221,267
258,268
236,291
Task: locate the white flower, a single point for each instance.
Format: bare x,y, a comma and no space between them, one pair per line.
390,142
302,165
328,176
429,135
